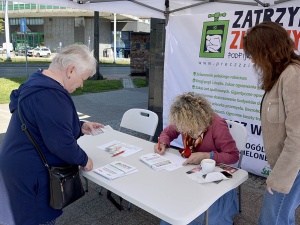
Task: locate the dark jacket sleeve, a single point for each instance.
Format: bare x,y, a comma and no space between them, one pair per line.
59,126
81,123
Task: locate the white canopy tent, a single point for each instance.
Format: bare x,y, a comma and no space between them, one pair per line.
157,8
169,74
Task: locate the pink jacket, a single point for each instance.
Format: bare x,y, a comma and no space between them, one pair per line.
217,139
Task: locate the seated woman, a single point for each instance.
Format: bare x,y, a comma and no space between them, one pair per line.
205,135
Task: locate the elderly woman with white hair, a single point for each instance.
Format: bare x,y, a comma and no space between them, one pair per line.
205,135
50,115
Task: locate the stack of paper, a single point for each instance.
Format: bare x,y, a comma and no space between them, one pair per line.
156,161
115,147
115,169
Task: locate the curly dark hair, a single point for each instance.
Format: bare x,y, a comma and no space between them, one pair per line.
271,49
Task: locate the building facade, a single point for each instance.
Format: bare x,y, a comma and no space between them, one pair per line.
56,27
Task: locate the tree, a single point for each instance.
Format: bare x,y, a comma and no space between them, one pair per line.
1,26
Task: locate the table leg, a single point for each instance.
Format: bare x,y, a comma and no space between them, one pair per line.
206,217
112,200
86,184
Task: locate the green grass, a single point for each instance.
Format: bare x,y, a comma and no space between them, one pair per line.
140,82
90,86
7,85
23,60
95,86
34,60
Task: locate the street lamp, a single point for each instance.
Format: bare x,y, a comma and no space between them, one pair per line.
8,59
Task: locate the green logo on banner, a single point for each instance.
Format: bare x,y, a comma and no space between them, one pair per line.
214,35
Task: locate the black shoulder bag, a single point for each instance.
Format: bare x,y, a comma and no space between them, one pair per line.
65,182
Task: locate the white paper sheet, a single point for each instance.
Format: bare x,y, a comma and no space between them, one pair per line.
210,177
115,147
177,161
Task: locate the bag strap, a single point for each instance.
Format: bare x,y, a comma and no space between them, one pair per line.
26,131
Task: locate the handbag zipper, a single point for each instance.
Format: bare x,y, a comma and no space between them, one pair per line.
62,191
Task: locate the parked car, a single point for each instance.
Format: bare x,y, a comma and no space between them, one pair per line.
42,51
30,51
21,51
1,49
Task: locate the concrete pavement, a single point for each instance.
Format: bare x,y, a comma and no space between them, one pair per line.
108,108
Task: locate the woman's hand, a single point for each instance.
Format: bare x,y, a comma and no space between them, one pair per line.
196,158
269,189
89,165
87,127
160,149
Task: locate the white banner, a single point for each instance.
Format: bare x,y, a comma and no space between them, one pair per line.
204,54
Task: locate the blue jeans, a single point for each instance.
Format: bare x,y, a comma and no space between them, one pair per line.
279,209
219,213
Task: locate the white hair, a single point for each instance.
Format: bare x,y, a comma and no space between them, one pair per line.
78,55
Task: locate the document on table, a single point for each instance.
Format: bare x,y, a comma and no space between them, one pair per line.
101,130
115,147
177,161
115,169
156,161
216,176
168,161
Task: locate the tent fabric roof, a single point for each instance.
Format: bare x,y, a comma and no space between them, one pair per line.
155,8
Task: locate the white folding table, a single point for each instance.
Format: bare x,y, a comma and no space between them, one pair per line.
169,195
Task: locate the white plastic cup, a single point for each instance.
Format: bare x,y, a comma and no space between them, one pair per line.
208,165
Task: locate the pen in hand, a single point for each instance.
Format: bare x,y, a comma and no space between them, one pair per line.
159,148
158,145
118,153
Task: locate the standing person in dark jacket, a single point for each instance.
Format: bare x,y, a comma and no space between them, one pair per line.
50,115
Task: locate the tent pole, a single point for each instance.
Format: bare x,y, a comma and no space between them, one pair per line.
223,1
167,12
7,34
147,6
97,75
262,4
190,6
134,1
281,1
115,37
